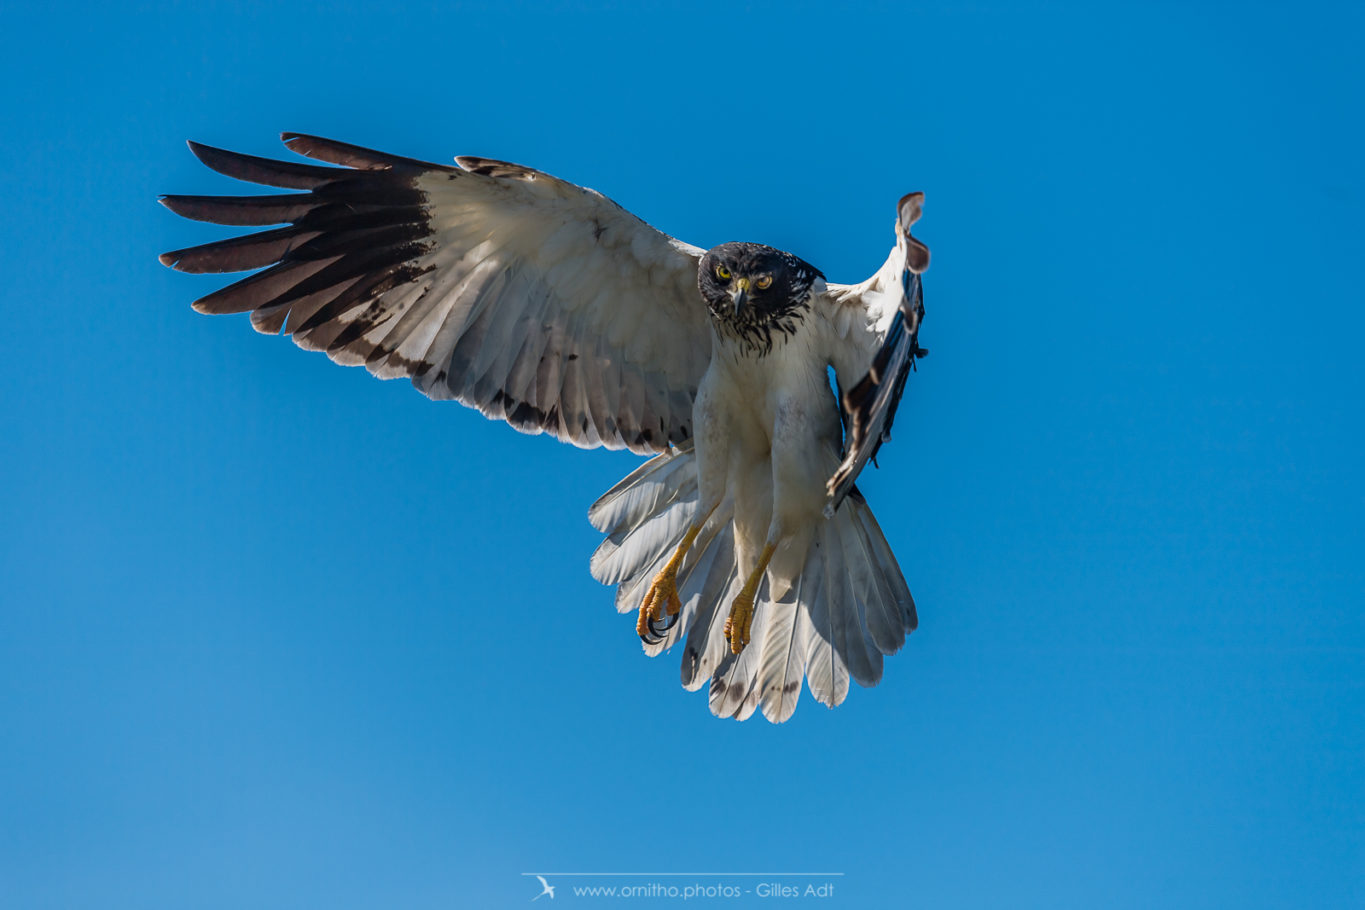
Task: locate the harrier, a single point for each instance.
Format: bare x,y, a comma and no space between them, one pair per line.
547,305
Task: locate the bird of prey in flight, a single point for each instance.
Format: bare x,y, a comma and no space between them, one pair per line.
743,539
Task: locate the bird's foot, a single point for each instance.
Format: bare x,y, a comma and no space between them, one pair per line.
661,606
741,620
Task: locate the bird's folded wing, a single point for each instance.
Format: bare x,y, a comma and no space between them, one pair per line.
883,317
538,302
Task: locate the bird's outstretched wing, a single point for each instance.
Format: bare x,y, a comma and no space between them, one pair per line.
538,302
881,319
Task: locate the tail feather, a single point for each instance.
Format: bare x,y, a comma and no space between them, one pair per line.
826,672
648,560
847,608
631,592
884,619
734,687
624,556
860,592
641,492
784,654
890,569
706,645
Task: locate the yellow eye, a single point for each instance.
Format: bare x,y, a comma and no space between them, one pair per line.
722,273
763,282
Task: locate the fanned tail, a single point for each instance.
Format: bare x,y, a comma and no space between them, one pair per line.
848,608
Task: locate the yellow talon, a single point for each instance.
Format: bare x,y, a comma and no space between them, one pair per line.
662,595
663,591
740,623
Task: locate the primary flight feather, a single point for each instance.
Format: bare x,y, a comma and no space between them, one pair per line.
547,305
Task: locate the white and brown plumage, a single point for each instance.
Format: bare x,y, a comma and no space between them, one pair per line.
549,306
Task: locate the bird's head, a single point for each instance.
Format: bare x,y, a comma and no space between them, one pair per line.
752,289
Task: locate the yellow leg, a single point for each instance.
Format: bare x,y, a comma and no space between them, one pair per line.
663,591
741,620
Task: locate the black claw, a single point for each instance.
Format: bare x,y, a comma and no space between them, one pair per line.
658,629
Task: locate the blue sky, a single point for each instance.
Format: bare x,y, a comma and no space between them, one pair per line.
276,634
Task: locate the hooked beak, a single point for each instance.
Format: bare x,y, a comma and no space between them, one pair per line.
740,295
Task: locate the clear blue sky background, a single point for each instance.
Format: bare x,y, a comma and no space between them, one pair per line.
278,635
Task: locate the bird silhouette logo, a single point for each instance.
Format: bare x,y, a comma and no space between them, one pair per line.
549,889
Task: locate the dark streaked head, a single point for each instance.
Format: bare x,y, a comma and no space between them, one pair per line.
754,290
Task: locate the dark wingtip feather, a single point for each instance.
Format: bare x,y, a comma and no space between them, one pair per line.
169,259
239,254
353,156
242,211
265,171
909,209
199,149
